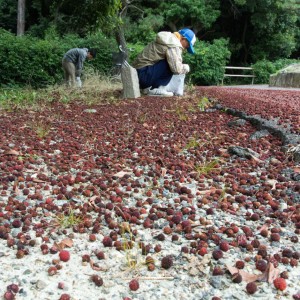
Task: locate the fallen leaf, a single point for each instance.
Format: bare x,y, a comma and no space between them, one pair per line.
272,182
296,169
92,201
204,192
241,135
163,172
96,267
67,242
197,265
38,180
122,174
12,152
247,277
270,274
273,273
256,159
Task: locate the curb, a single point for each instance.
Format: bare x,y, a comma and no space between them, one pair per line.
289,139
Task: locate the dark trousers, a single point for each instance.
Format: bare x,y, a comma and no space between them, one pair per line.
155,75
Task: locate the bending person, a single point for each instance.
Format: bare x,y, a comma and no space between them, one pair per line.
72,64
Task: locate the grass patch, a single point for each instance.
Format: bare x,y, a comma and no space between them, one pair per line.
207,167
97,89
68,220
40,126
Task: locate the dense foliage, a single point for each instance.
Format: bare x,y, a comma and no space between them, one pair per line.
235,32
208,62
264,68
37,62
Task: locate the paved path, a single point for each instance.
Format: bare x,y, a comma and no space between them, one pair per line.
261,87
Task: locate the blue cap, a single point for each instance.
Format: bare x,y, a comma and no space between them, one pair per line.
191,38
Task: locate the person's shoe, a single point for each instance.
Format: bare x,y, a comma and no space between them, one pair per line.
160,91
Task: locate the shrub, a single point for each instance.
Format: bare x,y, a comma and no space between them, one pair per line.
207,65
134,50
30,61
264,68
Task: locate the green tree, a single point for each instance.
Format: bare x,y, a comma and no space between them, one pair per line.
83,16
259,29
199,15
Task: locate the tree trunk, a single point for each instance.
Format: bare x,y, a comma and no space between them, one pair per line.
21,18
244,43
119,34
120,37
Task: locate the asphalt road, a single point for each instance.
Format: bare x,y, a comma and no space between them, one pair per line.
261,87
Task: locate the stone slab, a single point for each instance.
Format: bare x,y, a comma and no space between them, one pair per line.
287,77
131,88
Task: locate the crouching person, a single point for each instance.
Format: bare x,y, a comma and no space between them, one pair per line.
162,59
72,64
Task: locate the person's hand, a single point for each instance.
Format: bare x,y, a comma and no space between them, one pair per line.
186,68
78,82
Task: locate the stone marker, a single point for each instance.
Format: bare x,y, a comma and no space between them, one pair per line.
131,88
287,77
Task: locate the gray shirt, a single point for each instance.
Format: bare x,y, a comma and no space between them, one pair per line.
76,56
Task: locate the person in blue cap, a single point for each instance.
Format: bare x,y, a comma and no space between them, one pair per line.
161,59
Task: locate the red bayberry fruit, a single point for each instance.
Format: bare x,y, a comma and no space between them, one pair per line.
85,258
167,262
157,248
217,271
261,265
296,255
237,278
280,283
202,251
65,297
264,232
296,296
287,253
97,280
64,255
134,285
217,254
275,237
61,285
255,243
52,270
100,255
92,237
224,246
107,241
254,217
293,262
251,288
9,296
13,288
240,264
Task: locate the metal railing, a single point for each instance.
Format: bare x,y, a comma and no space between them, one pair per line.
249,69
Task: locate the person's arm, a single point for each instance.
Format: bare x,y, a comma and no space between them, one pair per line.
81,58
174,58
